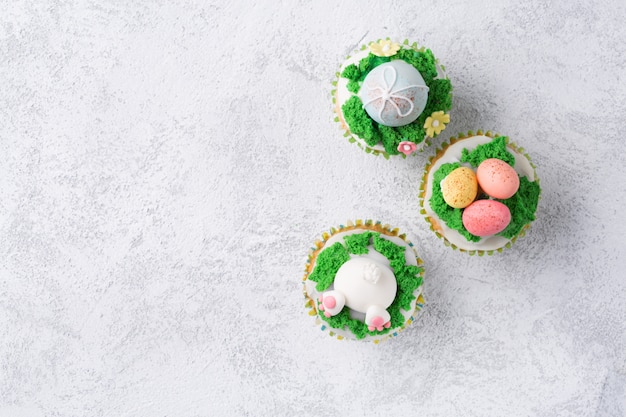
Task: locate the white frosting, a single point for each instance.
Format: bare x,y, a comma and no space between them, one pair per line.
342,94
394,94
372,256
453,154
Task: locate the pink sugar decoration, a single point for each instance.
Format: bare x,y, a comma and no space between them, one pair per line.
407,148
330,302
377,321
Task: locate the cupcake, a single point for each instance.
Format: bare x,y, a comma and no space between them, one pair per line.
363,281
390,98
479,193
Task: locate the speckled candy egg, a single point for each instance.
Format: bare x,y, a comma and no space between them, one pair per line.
460,187
486,217
497,178
394,93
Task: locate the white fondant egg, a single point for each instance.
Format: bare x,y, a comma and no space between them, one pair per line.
394,93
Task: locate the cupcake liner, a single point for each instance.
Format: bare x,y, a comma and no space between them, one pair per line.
311,304
434,222
339,93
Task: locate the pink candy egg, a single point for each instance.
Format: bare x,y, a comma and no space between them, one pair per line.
497,178
486,217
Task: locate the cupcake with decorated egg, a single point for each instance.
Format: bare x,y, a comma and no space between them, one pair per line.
391,98
479,193
363,281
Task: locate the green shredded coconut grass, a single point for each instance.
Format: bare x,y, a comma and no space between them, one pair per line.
408,278
439,98
424,62
359,121
358,243
522,207
494,149
353,86
358,73
328,263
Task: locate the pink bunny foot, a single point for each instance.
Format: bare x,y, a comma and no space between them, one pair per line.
378,323
331,303
327,302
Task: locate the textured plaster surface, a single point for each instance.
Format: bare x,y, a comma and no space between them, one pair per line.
166,166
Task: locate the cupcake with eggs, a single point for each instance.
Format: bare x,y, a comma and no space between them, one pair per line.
480,193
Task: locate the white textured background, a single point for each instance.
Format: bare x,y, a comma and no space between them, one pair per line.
165,167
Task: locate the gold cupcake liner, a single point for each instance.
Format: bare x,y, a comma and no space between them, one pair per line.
371,225
434,223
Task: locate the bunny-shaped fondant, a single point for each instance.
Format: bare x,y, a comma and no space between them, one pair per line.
362,285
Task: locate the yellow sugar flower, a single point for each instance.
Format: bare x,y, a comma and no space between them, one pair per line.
384,48
436,123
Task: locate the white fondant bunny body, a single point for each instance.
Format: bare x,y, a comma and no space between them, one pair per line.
363,285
